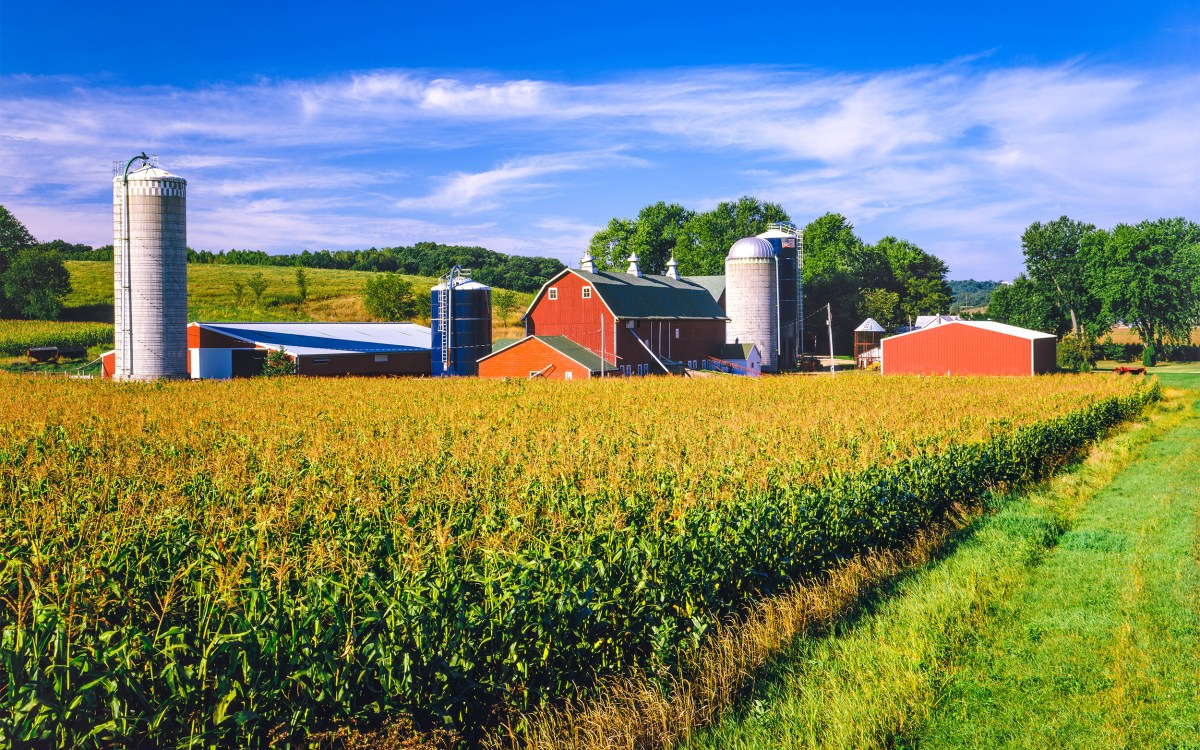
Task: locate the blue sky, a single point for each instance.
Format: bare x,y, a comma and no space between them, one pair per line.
525,129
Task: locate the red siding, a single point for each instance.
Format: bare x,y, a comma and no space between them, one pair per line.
959,350
574,317
531,355
108,365
202,337
578,319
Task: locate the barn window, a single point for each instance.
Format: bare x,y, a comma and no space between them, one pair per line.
320,360
676,333
587,292
567,375
553,293
381,358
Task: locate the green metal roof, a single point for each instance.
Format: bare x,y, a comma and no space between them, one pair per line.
735,351
570,349
499,344
650,297
714,284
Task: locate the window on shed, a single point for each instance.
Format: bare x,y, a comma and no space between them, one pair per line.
381,358
676,333
567,375
320,360
587,292
553,293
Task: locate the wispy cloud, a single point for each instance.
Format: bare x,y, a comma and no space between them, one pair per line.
958,157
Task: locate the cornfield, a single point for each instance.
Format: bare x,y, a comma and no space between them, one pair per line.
18,335
233,563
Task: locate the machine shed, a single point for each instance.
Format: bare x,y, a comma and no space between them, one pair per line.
224,350
970,347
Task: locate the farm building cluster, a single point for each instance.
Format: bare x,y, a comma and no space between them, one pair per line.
582,323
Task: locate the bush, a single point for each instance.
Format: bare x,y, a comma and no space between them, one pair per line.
1076,353
278,363
1149,359
388,296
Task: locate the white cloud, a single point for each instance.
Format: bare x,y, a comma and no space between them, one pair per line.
958,158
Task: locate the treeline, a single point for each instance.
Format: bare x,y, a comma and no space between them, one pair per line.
892,281
1080,280
520,272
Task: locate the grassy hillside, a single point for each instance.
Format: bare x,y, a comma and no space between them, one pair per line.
333,296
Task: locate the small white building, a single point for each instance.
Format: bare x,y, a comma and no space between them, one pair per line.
740,359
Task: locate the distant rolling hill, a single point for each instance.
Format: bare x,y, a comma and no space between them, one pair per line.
970,293
333,296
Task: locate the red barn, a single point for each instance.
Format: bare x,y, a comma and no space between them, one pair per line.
969,347
639,324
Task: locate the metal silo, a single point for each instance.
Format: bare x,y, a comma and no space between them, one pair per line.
752,298
461,322
785,239
149,272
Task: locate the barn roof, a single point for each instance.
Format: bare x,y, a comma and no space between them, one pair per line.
561,344
735,351
646,297
714,284
986,325
328,338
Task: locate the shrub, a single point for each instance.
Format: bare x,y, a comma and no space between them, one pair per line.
278,363
1076,353
1149,359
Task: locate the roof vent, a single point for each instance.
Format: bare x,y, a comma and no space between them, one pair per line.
633,266
673,268
588,264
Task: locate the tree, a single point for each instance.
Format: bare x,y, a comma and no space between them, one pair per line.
13,234
239,290
837,267
504,302
388,296
35,285
302,283
708,236
882,305
1022,304
611,246
1149,276
257,284
919,278
1053,263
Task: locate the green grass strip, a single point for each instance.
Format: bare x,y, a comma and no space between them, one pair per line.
1066,618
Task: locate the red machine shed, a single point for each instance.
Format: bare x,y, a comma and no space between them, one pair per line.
970,347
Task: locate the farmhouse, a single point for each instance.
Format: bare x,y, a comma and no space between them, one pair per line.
969,347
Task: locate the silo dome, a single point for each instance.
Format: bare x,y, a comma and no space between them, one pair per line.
751,247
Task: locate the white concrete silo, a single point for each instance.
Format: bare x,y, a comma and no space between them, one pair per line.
150,272
752,298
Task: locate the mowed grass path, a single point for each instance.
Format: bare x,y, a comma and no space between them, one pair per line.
1069,618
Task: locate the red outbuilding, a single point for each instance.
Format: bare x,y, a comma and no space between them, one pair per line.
639,324
969,347
549,357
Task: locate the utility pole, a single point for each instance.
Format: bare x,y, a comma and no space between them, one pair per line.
829,325
601,344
